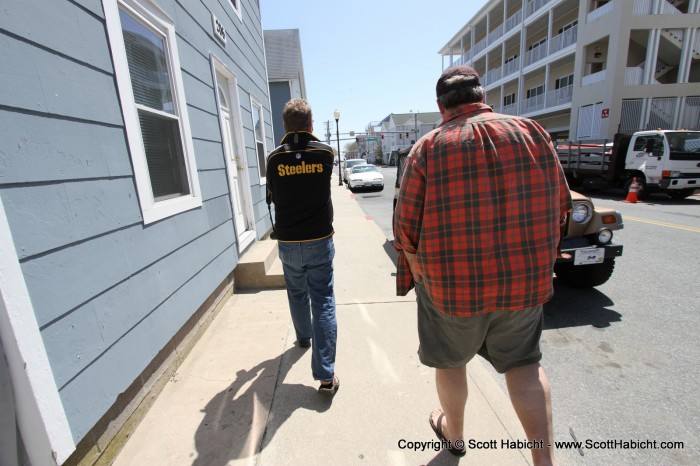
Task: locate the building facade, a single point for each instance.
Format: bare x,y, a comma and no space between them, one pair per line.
587,69
401,130
285,73
133,136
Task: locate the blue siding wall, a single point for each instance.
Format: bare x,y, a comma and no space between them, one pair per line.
109,292
280,94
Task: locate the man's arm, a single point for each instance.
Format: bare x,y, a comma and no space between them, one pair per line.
409,211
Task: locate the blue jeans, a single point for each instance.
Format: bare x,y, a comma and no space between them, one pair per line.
308,271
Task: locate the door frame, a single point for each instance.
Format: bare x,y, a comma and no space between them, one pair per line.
247,237
40,413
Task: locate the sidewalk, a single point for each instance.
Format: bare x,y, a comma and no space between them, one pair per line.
245,394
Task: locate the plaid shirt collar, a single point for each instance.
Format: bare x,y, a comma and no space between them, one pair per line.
464,111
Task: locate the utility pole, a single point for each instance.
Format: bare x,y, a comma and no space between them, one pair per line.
328,131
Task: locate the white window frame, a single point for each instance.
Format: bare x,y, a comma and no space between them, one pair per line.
509,99
567,26
150,14
564,81
535,91
236,7
262,169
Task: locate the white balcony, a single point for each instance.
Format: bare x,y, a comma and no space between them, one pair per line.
598,12
593,78
537,53
563,40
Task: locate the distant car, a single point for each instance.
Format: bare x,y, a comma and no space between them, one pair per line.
347,166
365,176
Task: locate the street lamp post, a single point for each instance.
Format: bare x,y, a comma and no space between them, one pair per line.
336,115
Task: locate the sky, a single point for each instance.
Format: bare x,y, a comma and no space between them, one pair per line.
369,58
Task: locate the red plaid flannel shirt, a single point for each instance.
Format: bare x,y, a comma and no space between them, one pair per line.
480,204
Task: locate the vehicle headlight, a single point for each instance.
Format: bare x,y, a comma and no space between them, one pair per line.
581,213
378,179
604,236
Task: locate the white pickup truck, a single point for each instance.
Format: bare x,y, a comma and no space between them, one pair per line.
662,161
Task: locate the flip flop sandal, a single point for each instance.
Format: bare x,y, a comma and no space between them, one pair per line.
438,431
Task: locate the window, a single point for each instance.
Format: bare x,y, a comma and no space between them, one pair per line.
568,26
509,99
564,82
510,59
236,5
259,132
535,91
537,43
151,93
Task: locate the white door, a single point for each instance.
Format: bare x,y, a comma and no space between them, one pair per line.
235,163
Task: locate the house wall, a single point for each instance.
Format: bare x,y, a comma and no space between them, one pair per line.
108,291
280,94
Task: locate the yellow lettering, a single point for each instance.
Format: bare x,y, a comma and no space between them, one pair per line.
303,168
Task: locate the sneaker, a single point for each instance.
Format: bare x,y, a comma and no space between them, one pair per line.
304,343
329,388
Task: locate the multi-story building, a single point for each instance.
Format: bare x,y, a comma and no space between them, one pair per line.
400,130
587,69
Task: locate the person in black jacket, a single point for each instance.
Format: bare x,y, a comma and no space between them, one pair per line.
299,185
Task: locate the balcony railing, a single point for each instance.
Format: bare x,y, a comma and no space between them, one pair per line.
563,40
646,7
511,67
537,53
634,76
560,96
533,6
479,46
495,34
598,12
493,75
593,78
513,21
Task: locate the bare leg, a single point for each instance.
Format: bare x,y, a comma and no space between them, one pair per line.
452,391
530,394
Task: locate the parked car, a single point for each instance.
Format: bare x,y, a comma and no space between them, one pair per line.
365,176
347,166
588,252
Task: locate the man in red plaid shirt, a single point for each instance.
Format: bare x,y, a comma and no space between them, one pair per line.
477,225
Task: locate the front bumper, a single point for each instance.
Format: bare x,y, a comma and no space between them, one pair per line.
582,251
680,183
367,184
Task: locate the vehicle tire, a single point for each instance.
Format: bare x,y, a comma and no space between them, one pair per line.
680,193
643,192
585,276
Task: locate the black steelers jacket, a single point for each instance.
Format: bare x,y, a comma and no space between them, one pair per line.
299,185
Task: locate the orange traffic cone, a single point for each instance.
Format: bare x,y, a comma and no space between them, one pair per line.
632,194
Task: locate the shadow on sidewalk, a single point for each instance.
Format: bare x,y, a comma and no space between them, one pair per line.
390,251
236,423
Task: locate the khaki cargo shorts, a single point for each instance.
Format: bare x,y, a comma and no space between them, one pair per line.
507,339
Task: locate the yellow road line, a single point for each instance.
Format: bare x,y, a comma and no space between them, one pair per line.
663,224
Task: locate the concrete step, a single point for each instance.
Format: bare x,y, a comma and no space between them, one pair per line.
259,268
